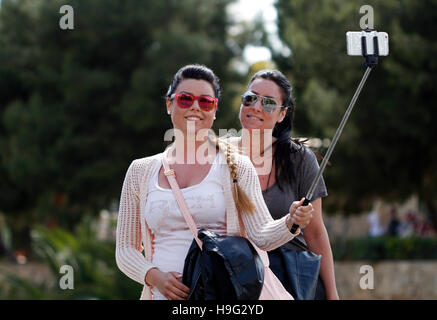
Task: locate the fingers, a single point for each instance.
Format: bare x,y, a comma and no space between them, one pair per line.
301,215
176,294
295,205
178,284
174,288
305,209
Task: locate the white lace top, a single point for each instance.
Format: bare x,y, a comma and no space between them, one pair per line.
172,237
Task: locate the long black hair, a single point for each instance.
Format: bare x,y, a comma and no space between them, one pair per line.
286,146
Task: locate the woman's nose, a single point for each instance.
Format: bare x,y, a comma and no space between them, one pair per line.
256,105
195,105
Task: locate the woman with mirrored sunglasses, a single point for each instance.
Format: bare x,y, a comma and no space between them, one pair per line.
217,192
267,109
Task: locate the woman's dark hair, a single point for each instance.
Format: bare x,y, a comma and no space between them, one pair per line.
198,72
286,147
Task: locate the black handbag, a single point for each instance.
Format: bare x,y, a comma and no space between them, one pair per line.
227,268
298,270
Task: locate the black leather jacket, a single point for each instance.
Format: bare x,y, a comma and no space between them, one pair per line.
228,268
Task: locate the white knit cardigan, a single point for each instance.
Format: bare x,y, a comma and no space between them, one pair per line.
134,235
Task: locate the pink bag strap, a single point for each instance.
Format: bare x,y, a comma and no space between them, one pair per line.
170,174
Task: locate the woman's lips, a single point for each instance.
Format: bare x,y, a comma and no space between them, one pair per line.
255,118
192,118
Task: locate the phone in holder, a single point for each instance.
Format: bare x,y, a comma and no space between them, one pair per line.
356,39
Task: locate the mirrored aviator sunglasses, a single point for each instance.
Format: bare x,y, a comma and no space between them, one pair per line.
186,100
268,104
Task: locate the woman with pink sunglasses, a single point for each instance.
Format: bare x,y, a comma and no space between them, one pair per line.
217,192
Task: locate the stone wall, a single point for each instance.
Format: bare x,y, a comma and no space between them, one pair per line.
392,279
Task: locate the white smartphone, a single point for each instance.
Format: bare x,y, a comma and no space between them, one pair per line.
353,40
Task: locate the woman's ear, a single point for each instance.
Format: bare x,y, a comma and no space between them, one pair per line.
283,114
215,110
168,103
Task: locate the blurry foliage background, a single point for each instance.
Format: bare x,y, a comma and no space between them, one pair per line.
95,275
388,147
77,106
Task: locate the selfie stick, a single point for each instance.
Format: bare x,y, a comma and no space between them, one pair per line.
371,62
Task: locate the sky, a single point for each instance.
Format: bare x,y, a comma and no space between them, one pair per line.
248,10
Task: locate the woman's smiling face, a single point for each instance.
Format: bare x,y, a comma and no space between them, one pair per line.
253,116
192,117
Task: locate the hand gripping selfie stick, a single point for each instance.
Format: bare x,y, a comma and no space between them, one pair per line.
370,62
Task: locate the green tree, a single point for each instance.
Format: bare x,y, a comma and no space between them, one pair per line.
387,149
77,106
